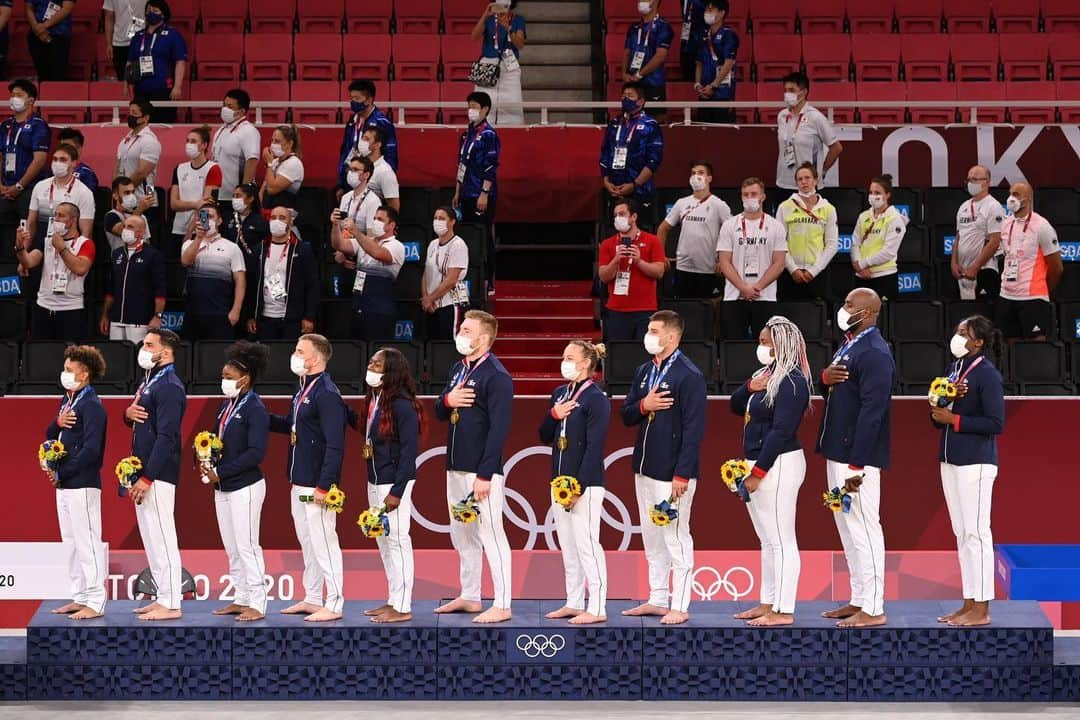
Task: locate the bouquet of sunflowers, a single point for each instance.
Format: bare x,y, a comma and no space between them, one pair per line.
208,447
334,500
50,453
943,392
128,471
838,500
734,474
564,490
466,511
664,512
374,522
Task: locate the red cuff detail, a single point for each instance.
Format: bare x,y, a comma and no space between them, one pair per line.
445,401
160,297
553,415
148,480
856,468
680,478
482,479
956,423
641,406
758,472
823,380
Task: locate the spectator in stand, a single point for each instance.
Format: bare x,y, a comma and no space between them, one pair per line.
804,134
875,241
379,256
503,34
978,240
84,172
750,255
477,189
444,296
26,138
193,183
701,215
5,34
235,147
247,227
694,28
1032,269
812,238
283,295
65,258
647,45
714,75
631,262
358,205
365,115
125,204
284,169
157,61
62,187
135,285
49,37
123,18
138,153
383,182
632,150
216,280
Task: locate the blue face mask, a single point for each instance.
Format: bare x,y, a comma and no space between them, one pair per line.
153,18
357,107
629,106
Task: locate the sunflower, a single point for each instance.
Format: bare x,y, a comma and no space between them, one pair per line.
373,522
562,495
334,496
659,518
466,516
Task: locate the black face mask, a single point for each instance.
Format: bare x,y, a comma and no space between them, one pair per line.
133,122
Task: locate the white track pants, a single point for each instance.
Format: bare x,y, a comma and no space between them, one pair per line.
862,537
395,548
79,514
157,526
669,550
486,536
238,514
316,529
968,492
583,556
772,511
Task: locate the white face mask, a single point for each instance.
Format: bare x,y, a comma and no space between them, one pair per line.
474,115
845,320
974,188
68,381
958,346
791,99
463,344
807,193
146,359
765,355
191,150
644,7
353,178
1013,203
698,182
364,148
751,205
710,18
238,204
128,236
17,104
59,228
278,227
277,150
569,370
227,114
622,223
877,201
373,379
653,344
378,227
129,202
60,169
439,226
297,365
230,388
211,227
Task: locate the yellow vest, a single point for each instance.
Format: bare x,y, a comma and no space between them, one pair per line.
873,237
805,233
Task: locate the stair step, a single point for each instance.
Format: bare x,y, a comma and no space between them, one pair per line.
568,12
572,95
532,324
563,54
539,77
550,345
533,289
554,33
536,386
530,364
542,307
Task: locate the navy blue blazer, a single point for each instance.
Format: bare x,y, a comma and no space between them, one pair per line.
84,442
244,440
972,438
394,460
157,441
772,430
315,460
586,434
475,443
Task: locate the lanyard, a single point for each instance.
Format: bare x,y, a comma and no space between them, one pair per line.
972,207
584,386
230,412
69,405
466,372
791,116
465,153
761,225
955,375
809,211
67,191
149,381
686,10
12,143
618,133
850,343
358,205
153,41
712,49
298,400
1008,240
372,410
284,250
695,207
656,376
648,33
235,126
445,264
495,33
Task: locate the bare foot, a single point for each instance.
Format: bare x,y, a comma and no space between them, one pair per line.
378,611
587,618
966,607
71,607
674,617
564,612
974,618
460,605
149,608
771,619
85,614
645,609
492,615
250,615
232,609
161,614
861,619
840,613
322,615
300,608
392,616
754,612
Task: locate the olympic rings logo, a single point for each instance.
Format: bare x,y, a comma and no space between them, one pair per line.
533,646
721,582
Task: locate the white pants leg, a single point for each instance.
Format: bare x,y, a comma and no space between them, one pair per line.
776,499
768,570
395,548
868,540
968,493
79,514
124,331
509,91
670,549
585,527
568,537
652,539
239,516
157,526
322,531
465,537
496,545
837,473
313,578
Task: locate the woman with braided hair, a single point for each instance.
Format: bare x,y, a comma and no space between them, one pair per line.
773,403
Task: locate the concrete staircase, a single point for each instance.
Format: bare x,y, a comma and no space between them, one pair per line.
557,63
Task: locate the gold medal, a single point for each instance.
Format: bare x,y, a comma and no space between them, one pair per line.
652,416
455,416
292,438
563,444
369,451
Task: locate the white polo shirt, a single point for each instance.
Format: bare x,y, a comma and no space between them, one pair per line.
807,135
701,221
143,145
46,195
751,244
231,147
443,260
976,220
384,180
360,208
125,11
371,266
292,169
192,182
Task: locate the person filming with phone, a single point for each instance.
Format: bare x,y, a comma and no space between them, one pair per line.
216,279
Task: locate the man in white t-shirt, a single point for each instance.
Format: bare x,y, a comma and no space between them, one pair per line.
139,151
216,282
384,180
750,254
123,18
235,146
804,134
62,187
379,257
701,215
978,239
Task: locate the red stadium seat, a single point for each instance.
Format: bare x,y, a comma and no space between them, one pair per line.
73,91
371,17
324,16
1025,57
1061,16
367,57
769,92
975,57
207,91
919,16
828,57
614,46
224,18
268,56
1068,90
619,16
85,19
926,58
216,60
776,56
455,92
967,16
745,92
774,17
1031,91
416,92
824,16
317,91
876,57
382,92
680,91
1065,55
929,92
458,55
882,92
105,69
269,91
460,16
273,16
835,92
318,56
738,21
102,91
982,92
418,16
81,58
1016,16
875,17
416,58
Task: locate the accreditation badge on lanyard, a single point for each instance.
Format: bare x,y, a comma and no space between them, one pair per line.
789,144
752,251
618,160
466,153
10,155
146,62
1012,258
638,60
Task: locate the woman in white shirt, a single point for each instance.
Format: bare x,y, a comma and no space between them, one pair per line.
193,182
284,169
875,242
445,297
